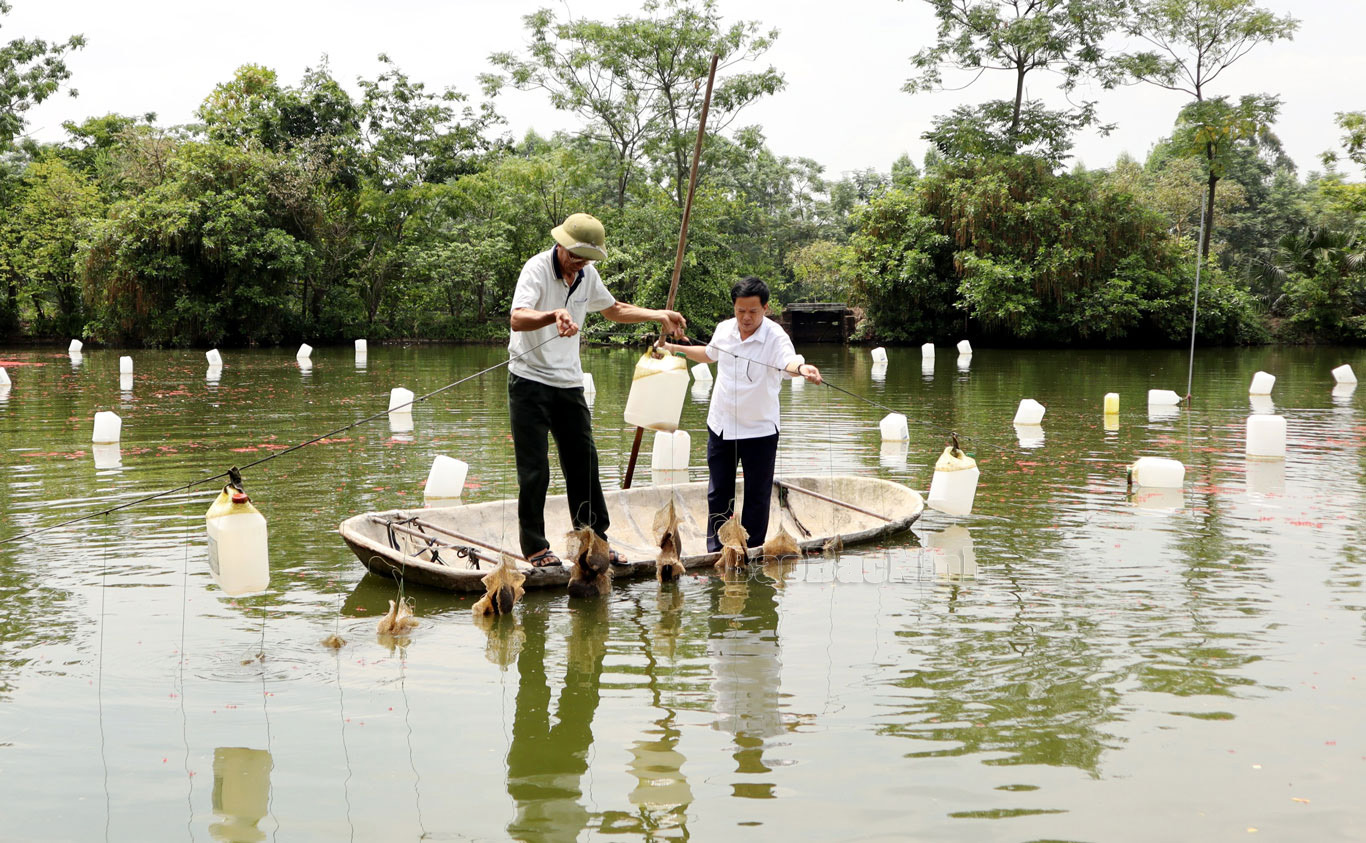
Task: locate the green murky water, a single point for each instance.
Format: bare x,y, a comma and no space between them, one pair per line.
1066,664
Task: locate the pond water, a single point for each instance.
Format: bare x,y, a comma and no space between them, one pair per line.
1067,663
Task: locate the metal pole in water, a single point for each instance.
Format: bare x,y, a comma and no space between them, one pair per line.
1195,305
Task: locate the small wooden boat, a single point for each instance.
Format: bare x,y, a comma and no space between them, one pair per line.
452,548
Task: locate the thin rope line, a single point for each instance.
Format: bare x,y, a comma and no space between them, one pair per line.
180,677
412,762
867,400
276,454
265,711
99,686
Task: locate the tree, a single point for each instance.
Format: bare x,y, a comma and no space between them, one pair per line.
1018,37
638,83
31,70
1193,42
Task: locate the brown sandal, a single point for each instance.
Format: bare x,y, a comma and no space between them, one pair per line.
545,559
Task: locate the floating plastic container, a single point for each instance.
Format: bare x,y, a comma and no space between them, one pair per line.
1163,398
955,483
1030,412
1158,473
880,355
701,373
894,428
445,481
362,348
1112,403
964,347
239,551
1344,374
927,350
671,451
4,377
305,351
1266,437
400,400
668,478
125,365
658,388
75,347
214,358
1261,384
108,428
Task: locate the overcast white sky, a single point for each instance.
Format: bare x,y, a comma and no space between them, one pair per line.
844,62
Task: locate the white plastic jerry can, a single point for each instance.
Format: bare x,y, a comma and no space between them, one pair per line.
880,355
1344,374
894,428
108,428
1029,412
964,347
1261,384
955,483
1157,473
304,352
1266,437
658,388
214,358
4,377
239,553
445,481
1163,398
671,452
701,373
927,351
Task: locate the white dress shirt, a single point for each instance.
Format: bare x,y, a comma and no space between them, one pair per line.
541,288
744,402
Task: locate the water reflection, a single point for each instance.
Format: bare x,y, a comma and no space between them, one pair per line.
401,421
893,453
107,455
964,362
213,374
76,360
1261,404
241,793
1342,393
879,373
126,384
1266,477
546,762
1159,412
1111,424
927,368
747,666
1029,435
1149,499
701,391
954,557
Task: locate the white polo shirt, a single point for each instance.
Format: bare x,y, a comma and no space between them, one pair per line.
540,288
744,402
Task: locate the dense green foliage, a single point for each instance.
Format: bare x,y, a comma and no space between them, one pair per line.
313,211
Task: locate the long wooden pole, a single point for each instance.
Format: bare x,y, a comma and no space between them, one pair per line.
682,245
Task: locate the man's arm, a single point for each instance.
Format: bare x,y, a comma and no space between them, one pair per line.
695,353
671,321
526,319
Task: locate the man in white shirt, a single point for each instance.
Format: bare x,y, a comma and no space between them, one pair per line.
556,291
753,356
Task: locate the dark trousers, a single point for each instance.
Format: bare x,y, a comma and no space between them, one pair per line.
758,456
534,410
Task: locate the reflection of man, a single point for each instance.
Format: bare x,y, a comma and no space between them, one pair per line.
545,763
748,670
557,290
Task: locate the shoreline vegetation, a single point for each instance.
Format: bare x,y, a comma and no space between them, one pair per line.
305,212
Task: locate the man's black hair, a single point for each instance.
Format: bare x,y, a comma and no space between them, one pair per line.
749,286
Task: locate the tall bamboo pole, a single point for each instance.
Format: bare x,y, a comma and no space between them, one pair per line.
682,245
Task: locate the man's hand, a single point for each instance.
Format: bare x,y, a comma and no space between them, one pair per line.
672,323
809,372
565,324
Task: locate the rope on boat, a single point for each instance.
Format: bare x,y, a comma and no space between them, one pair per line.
226,474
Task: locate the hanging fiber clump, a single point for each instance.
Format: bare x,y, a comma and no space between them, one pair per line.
669,565
592,575
733,536
781,546
399,620
503,589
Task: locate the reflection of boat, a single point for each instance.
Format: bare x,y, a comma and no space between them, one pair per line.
433,546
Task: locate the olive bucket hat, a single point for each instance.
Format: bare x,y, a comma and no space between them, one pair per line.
582,235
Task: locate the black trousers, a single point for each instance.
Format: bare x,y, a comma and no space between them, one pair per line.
534,410
758,456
